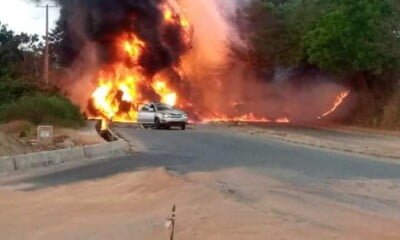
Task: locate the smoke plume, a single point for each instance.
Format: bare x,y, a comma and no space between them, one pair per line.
231,86
101,21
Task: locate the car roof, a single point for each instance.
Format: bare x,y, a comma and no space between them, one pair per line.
157,103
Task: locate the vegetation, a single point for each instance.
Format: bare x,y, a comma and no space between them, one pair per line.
43,109
22,95
357,40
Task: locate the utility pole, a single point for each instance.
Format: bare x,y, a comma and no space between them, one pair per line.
46,65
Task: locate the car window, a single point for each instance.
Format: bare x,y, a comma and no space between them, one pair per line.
151,108
145,108
163,107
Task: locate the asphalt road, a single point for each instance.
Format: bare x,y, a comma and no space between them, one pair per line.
209,148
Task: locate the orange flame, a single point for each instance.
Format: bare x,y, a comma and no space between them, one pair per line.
173,17
250,118
104,125
132,46
338,101
167,95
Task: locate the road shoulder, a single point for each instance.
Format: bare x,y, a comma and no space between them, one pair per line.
382,146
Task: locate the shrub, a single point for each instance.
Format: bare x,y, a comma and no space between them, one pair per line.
11,90
43,109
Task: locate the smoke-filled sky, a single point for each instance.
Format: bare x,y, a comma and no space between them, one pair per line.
24,16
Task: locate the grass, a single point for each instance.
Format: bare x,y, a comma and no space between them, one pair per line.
43,108
374,112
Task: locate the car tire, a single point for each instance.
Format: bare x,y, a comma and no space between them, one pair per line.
183,127
157,123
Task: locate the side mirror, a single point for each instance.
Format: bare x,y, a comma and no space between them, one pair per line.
152,110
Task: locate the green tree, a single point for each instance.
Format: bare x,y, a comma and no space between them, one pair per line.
355,36
275,30
19,53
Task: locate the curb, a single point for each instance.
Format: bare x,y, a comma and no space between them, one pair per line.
44,159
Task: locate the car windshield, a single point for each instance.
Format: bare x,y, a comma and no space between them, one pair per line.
163,107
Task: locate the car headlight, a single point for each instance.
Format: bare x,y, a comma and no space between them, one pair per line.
166,115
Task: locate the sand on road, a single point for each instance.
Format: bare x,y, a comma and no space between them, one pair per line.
225,204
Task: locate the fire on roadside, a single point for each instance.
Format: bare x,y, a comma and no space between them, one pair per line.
121,87
338,101
250,118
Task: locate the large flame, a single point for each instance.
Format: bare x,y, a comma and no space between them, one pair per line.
119,92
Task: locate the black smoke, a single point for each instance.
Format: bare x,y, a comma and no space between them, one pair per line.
102,21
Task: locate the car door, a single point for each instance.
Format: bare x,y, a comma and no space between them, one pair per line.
150,114
142,114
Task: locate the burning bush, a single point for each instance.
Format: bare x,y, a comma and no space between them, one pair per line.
43,109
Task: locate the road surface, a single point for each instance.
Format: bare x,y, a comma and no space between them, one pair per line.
207,148
368,187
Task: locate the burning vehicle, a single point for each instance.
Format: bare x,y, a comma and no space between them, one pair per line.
161,116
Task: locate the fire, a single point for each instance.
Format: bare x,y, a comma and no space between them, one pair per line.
121,87
172,17
168,15
338,101
124,85
104,125
282,120
115,97
250,118
132,46
168,96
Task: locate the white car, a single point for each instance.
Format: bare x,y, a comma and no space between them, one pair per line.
161,115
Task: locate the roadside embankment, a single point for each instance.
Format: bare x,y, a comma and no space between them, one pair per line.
98,149
20,137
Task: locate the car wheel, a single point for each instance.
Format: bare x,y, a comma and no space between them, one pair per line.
183,127
157,123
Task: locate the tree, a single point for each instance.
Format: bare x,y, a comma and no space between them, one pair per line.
9,52
355,36
275,30
262,29
56,37
19,53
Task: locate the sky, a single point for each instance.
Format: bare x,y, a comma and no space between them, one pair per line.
24,16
